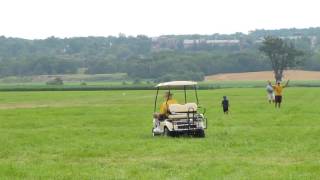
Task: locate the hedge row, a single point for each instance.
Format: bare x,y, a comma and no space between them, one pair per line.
132,87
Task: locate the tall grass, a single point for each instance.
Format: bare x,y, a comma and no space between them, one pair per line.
107,135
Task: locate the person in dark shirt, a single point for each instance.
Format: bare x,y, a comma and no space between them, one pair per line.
225,105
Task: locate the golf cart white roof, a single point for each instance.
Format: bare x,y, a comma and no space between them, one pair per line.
176,83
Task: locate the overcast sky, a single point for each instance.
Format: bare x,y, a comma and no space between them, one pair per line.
34,19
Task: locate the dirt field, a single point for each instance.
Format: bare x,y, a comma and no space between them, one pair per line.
265,75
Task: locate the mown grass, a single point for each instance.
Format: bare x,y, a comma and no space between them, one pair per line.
107,135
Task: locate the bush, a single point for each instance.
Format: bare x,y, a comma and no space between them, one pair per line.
83,83
137,81
55,81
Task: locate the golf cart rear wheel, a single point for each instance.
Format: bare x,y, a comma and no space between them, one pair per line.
200,134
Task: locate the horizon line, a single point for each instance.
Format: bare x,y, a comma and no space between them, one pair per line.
151,36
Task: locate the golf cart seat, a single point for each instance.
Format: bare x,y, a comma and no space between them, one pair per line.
181,111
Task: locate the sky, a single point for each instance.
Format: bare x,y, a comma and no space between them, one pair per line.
38,19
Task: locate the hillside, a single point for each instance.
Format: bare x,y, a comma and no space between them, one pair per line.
265,75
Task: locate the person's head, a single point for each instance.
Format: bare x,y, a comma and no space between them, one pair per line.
168,95
224,97
269,82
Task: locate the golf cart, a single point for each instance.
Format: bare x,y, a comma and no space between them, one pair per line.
182,118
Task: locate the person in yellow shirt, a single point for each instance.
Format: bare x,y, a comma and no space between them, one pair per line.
168,99
278,88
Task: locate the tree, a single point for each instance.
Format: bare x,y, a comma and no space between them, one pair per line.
281,54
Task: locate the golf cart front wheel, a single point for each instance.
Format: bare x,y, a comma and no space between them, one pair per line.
166,132
153,133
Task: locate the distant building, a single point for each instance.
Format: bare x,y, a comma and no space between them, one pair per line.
223,42
187,43
313,41
164,42
291,37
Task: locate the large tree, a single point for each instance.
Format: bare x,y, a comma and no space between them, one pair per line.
282,55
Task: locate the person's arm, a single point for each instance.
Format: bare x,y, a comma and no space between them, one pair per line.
287,83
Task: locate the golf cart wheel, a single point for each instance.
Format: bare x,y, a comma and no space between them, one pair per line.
166,132
152,131
200,134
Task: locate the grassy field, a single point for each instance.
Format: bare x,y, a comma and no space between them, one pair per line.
107,135
142,85
66,77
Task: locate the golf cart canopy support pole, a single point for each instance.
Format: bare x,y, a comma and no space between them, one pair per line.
185,94
155,101
195,89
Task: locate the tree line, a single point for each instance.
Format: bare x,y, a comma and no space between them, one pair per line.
138,57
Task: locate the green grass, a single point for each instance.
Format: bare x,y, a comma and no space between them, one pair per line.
65,77
75,86
107,135
143,85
